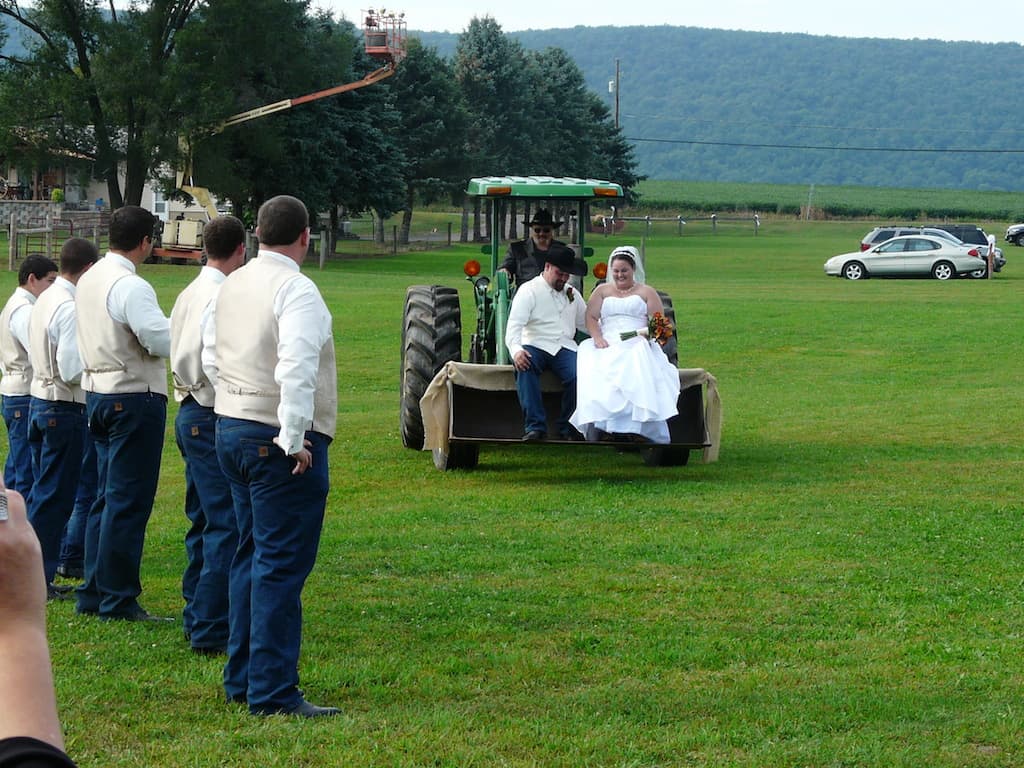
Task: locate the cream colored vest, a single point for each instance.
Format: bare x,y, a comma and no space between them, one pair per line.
46,381
187,341
115,362
17,370
247,335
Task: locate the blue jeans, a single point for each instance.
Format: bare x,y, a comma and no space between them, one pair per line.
56,433
129,434
211,540
72,548
18,467
279,517
528,386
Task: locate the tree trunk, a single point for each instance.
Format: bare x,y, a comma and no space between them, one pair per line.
464,223
135,176
333,245
403,233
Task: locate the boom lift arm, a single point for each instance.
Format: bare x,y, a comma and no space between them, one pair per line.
384,35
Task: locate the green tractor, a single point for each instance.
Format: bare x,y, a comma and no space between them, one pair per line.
452,407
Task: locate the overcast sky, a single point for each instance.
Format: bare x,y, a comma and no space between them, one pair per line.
985,20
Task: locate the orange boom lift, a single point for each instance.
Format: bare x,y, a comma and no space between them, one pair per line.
384,38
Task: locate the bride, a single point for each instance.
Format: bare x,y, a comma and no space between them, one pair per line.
623,387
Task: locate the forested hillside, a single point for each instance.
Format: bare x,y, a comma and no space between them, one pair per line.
689,97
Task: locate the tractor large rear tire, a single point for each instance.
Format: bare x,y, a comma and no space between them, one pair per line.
431,337
666,456
463,456
672,345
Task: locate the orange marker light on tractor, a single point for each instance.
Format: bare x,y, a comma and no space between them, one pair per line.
498,191
606,192
471,268
600,270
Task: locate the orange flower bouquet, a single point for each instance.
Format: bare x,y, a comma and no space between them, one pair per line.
659,328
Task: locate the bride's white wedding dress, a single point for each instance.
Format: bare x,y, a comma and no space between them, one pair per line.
629,387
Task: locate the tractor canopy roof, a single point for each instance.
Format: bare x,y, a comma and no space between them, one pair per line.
544,187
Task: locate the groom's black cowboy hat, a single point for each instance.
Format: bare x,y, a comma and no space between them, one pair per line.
542,218
564,257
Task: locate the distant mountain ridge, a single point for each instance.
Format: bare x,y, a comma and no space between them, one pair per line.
772,107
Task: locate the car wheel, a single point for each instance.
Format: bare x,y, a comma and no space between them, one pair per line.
978,274
1020,239
854,270
943,270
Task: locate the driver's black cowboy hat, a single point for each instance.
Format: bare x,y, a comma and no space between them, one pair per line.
542,218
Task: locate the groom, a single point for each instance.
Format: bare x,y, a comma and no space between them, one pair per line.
546,312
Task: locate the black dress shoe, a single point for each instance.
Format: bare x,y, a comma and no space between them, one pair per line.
56,593
533,436
139,615
302,709
572,435
74,572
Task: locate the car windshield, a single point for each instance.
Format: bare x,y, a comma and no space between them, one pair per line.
946,236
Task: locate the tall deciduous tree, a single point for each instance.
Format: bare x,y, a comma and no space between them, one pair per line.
97,80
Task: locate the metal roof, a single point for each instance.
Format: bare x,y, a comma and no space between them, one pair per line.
545,187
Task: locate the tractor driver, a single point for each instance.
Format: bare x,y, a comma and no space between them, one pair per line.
525,258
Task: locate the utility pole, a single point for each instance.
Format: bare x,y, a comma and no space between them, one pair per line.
613,88
617,93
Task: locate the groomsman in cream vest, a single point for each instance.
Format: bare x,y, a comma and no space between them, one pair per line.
58,433
124,339
211,539
269,350
37,273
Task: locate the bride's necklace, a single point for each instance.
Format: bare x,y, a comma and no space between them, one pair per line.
625,292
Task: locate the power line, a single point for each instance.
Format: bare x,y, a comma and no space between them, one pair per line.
820,127
933,150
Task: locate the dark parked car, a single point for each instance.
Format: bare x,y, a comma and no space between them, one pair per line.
975,235
1015,234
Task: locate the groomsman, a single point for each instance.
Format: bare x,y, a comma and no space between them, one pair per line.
124,338
212,538
58,433
37,273
272,347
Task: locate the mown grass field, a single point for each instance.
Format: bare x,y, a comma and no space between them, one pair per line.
842,588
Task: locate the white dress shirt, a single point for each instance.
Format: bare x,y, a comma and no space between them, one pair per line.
545,318
19,317
132,301
304,326
63,337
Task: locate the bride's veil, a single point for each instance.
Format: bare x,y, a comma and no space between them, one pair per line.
634,254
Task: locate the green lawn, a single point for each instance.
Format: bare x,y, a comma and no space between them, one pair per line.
843,588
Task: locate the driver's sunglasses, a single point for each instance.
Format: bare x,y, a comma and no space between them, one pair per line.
542,230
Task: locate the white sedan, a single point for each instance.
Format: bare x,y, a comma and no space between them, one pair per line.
909,255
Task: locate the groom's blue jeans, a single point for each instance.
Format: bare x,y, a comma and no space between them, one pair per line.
563,364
